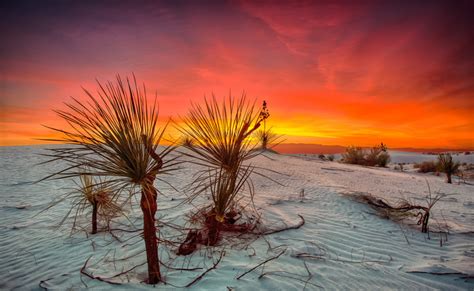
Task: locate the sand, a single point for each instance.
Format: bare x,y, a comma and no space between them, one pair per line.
343,244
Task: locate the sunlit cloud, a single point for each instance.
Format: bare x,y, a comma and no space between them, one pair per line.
333,73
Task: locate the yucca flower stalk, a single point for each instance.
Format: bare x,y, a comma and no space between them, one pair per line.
219,140
115,134
448,166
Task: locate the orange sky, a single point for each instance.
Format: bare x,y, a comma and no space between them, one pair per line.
332,73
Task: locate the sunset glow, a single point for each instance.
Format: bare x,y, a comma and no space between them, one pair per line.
332,73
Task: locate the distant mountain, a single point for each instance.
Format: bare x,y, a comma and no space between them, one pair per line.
301,148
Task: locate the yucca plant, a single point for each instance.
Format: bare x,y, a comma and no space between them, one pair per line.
448,166
115,134
220,135
96,196
99,197
265,136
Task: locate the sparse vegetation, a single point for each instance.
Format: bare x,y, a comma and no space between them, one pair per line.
116,135
322,157
448,166
376,156
330,157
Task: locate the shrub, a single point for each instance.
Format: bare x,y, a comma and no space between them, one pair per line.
331,157
383,159
448,166
322,157
376,156
354,155
426,167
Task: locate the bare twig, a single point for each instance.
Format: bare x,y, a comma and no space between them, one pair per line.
207,271
262,263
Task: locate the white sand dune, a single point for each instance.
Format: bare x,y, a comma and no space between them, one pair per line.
342,245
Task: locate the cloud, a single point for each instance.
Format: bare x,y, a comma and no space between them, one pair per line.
343,70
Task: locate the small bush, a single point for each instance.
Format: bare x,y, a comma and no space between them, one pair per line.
322,157
426,167
330,157
377,156
383,159
354,155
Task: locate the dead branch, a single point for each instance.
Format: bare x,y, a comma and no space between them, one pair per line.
207,271
180,269
262,263
84,272
302,222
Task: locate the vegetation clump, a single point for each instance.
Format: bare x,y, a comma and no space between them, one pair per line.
426,167
448,166
376,156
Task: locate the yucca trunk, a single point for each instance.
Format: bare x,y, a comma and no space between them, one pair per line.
216,219
424,225
213,226
448,175
94,218
149,206
264,142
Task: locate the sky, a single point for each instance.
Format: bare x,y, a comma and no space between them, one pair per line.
335,73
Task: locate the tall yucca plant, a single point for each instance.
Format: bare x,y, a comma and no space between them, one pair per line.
219,139
448,166
115,134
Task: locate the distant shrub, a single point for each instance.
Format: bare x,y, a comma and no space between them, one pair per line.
322,157
467,153
426,167
330,157
383,159
448,166
354,155
376,156
400,167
